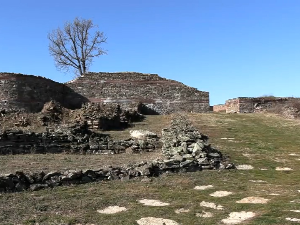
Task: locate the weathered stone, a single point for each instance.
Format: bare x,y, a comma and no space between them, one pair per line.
51,174
20,186
36,187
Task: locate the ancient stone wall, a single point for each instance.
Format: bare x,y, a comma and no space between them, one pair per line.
250,105
219,108
28,93
161,95
70,141
232,105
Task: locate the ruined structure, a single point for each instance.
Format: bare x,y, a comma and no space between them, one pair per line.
184,147
159,95
250,105
28,93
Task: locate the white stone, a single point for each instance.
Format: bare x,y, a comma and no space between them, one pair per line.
293,219
244,167
211,205
181,210
205,214
220,193
238,217
204,187
283,169
155,221
152,202
112,210
141,134
253,200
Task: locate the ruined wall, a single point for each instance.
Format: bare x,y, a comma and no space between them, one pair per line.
232,105
70,141
219,108
29,93
250,105
159,94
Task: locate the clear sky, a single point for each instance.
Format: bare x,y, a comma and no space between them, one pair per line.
230,48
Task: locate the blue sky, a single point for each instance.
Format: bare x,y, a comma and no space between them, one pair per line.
230,48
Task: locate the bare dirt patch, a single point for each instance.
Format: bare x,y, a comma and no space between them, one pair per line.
253,200
152,202
112,210
238,217
219,194
155,221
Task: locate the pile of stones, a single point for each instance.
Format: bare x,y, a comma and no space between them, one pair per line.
185,146
20,181
107,117
52,112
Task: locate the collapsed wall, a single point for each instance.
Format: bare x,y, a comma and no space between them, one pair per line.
29,93
159,95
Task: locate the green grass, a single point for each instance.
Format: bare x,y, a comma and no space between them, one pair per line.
264,141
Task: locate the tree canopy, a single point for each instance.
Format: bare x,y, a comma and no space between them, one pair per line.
76,45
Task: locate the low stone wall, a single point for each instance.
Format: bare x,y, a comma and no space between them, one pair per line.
75,140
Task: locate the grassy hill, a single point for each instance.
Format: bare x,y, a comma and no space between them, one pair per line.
264,141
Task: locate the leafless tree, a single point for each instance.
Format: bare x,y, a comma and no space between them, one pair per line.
76,45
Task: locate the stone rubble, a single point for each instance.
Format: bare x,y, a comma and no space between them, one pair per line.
184,147
75,139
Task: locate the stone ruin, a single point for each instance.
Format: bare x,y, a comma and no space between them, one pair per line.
28,93
107,117
289,107
184,147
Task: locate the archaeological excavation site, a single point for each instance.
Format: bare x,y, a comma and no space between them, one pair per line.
40,116
132,148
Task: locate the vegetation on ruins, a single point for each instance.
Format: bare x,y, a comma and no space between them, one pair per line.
76,45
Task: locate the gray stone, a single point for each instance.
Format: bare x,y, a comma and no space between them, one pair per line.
36,187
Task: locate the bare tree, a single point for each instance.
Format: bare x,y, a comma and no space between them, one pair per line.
76,45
